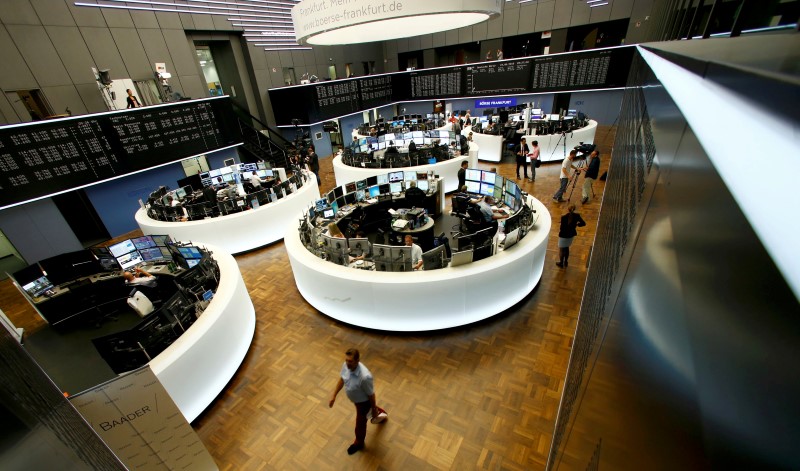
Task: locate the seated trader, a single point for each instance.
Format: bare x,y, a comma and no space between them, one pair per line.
415,197
489,215
210,194
416,252
364,254
139,278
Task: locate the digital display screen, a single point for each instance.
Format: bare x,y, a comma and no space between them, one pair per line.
498,181
384,188
488,177
361,184
409,176
497,193
335,207
161,240
473,187
129,260
152,253
190,252
359,195
395,177
327,214
383,178
121,248
374,191
320,204
509,200
487,189
143,242
38,286
423,185
350,187
192,262
396,187
510,186
474,175
372,181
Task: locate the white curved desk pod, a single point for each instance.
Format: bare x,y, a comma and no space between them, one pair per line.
198,365
238,232
423,300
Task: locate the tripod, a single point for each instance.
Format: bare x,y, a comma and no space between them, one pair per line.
564,137
574,181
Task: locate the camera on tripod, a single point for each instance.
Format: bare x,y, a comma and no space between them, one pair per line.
584,150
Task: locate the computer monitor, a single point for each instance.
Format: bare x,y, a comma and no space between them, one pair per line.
401,258
381,252
190,252
396,187
165,253
228,177
225,171
372,181
553,117
497,193
358,246
360,195
330,197
488,177
320,204
383,178
572,112
161,240
335,206
423,185
388,136
143,242
129,260
121,248
474,175
509,200
38,286
361,185
409,176
510,186
180,193
350,198
151,253
461,258
214,173
384,189
247,175
511,239
473,187
338,191
487,189
395,177
328,213
349,188
434,259
431,160
374,191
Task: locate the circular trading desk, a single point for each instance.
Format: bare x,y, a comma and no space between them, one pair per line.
196,367
553,146
422,300
238,232
447,170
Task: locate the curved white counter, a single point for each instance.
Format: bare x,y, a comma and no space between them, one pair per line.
242,231
422,301
447,170
551,146
198,365
491,145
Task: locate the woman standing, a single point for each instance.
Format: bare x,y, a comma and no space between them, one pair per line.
569,223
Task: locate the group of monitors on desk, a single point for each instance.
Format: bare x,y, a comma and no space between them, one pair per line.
419,138
482,182
150,249
414,121
369,188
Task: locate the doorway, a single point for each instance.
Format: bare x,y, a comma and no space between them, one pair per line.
209,68
332,72
81,217
30,105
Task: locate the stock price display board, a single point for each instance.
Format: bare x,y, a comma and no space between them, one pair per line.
48,157
375,91
336,98
437,83
498,77
589,69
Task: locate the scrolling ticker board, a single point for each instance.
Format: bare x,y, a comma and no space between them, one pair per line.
582,70
49,157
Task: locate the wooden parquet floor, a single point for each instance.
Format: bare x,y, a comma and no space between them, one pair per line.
484,396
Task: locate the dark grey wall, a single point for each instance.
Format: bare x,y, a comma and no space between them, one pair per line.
38,230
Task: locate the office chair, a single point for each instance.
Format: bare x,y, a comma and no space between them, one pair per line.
460,205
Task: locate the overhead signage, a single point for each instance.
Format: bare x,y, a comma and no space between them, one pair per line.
495,102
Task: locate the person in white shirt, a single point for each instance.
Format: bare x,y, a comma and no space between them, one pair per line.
255,181
139,278
566,173
533,157
416,252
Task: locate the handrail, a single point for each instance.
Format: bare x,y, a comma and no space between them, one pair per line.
272,132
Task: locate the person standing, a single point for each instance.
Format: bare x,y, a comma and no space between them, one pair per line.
462,174
521,151
590,175
133,102
566,173
499,54
489,55
533,156
567,232
313,163
416,252
358,384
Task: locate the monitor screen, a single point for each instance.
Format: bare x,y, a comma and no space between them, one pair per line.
335,206
372,181
229,162
190,252
395,177
383,178
214,173
350,198
432,161
510,186
337,192
321,204
359,195
396,187
330,197
423,185
374,191
488,177
389,136
247,175
180,193
151,253
143,242
409,176
381,145
474,175
97,251
487,189
121,248
228,177
161,240
361,184
497,194
446,135
129,260
473,187
384,189
498,181
38,286
192,262
381,138
350,187
509,200
327,214
416,135
188,190
165,254
225,170
553,117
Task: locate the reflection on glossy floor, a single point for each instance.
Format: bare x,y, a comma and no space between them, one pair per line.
479,397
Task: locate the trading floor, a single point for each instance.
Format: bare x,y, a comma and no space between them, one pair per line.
483,396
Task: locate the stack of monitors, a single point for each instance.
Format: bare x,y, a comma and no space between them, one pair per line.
490,184
192,255
132,252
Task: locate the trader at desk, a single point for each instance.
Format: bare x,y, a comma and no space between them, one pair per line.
139,278
490,215
416,252
415,197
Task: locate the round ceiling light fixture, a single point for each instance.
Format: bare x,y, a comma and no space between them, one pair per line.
329,22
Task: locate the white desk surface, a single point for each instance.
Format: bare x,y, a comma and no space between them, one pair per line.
423,300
